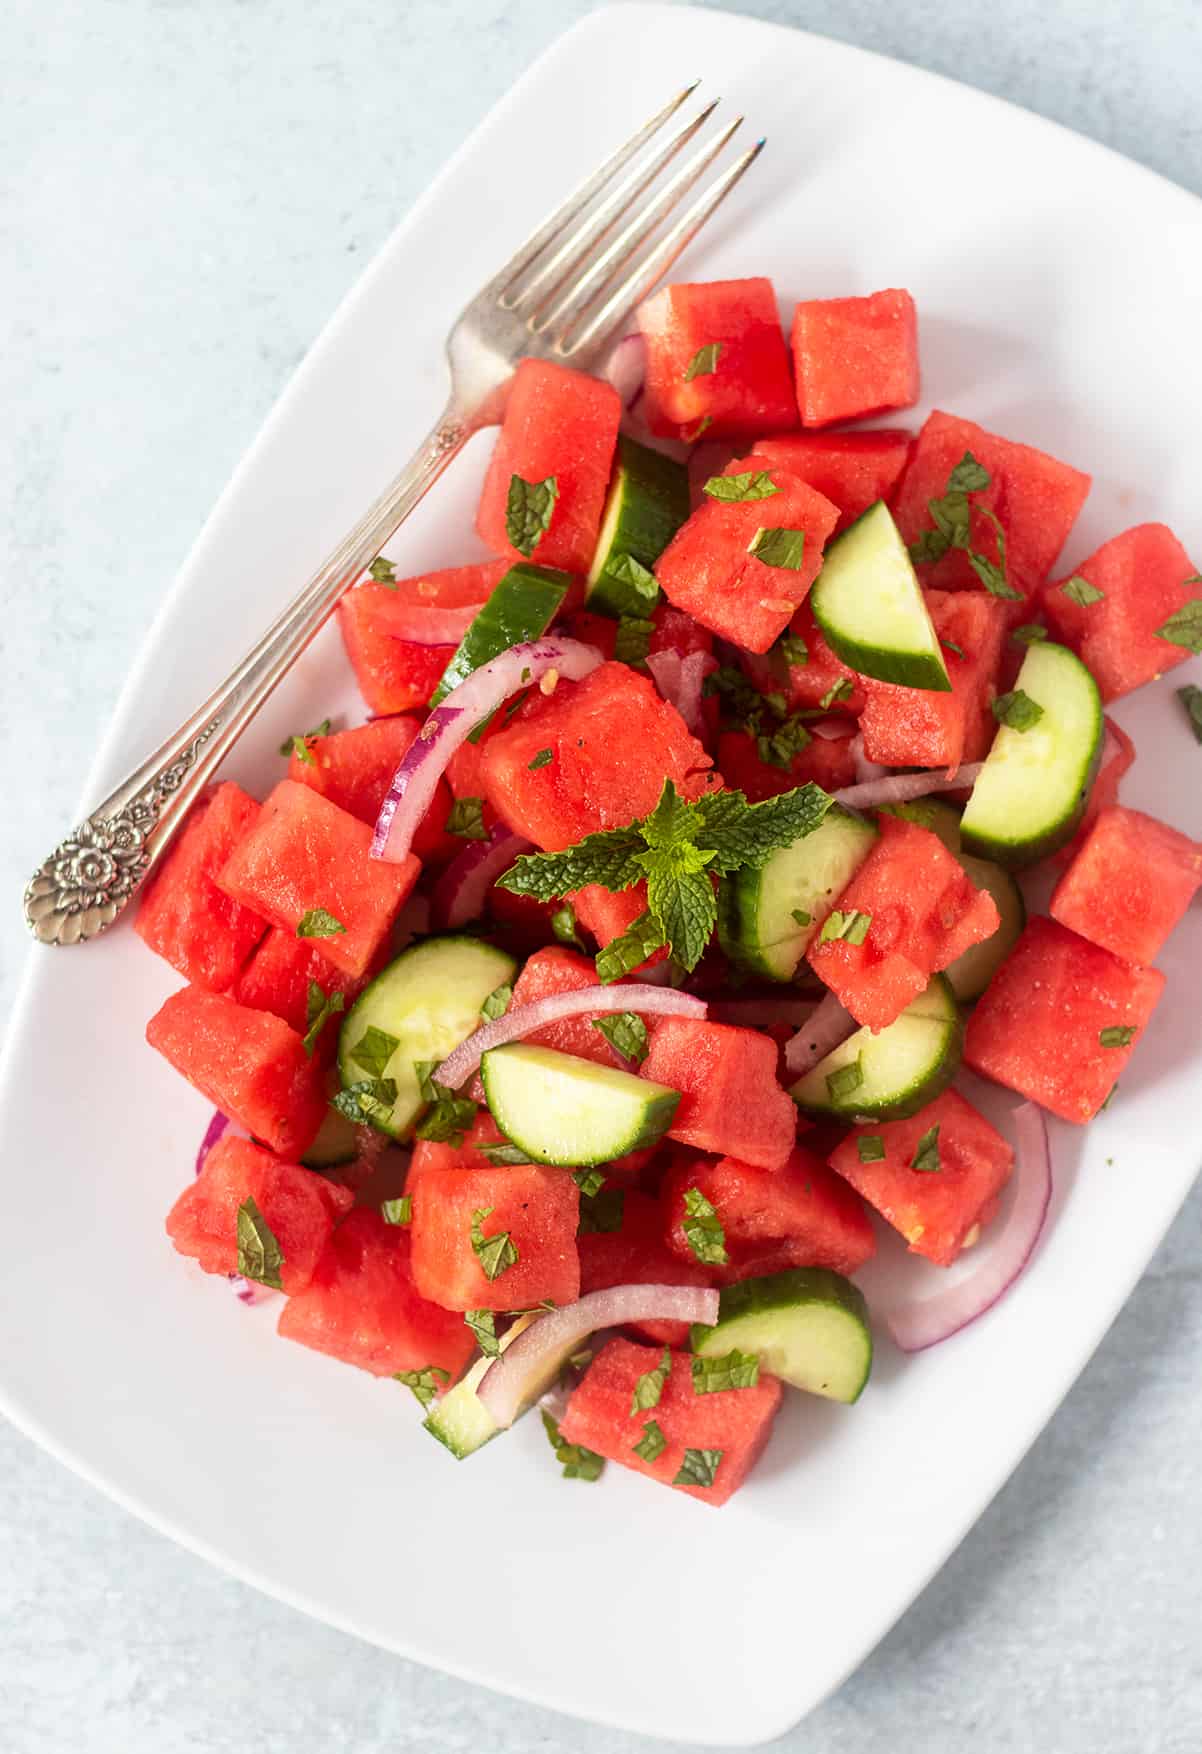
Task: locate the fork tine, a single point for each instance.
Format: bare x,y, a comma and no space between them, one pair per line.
633,235
538,240
639,177
644,275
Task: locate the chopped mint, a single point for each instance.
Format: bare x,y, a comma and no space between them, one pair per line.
483,1324
650,1386
698,1467
652,1444
704,362
496,1254
783,548
601,1213
801,916
845,1080
563,924
448,1116
1081,592
632,641
373,1050
260,1256
629,571
737,1370
1191,699
952,518
578,1463
926,1154
466,819
871,1148
949,645
528,509
424,1383
793,649
851,927
317,923
497,1003
1184,628
502,1155
367,1103
299,745
399,1211
703,1229
1029,634
319,1008
1119,1035
735,489
626,1034
843,689
589,1181
1017,710
382,571
542,759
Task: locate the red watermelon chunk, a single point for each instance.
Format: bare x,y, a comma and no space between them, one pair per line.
182,915
851,469
854,356
429,1154
917,727
1129,884
363,1307
558,423
743,387
248,1063
733,1424
708,570
304,854
798,1216
396,674
823,680
827,761
636,1254
538,1207
1037,1028
298,1206
1035,498
354,770
1146,578
674,631
613,742
730,1101
937,1211
924,912
278,976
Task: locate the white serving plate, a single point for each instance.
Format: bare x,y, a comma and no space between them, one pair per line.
1050,275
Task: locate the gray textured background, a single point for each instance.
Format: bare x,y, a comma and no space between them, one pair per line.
192,185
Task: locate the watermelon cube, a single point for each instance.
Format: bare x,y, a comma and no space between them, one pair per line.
608,916
854,356
298,1206
939,1210
396,674
354,770
731,1426
923,911
798,1216
248,1063
827,761
1145,578
538,1207
917,727
363,1307
613,742
1129,884
183,915
823,680
710,569
431,1154
851,469
307,863
1035,498
716,360
730,1101
277,979
636,1254
1060,1019
559,425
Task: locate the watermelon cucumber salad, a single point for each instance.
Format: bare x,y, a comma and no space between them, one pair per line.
567,1019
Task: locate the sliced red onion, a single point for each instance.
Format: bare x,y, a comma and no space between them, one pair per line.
826,1026
930,1320
527,1367
865,769
626,369
424,624
450,724
523,1020
462,890
680,682
762,1013
903,788
834,730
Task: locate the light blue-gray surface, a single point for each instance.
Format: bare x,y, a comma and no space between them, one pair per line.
190,187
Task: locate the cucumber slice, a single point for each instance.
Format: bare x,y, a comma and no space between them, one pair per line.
942,819
902,1068
521,606
971,973
648,502
334,1144
757,924
808,1326
430,1000
561,1109
460,1420
869,604
1034,786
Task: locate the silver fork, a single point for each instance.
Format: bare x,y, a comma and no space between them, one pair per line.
562,296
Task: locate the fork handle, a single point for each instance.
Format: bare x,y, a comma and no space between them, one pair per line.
93,875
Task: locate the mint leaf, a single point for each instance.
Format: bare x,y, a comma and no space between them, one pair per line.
424,1383
563,924
931,546
652,1444
650,1386
622,955
501,1154
748,834
737,1370
398,1211
367,1103
632,641
1017,710
589,1181
382,571
483,1324
319,1008
317,923
952,518
681,900
1119,1035
578,1463
497,1003
843,689
299,745
606,858
844,1081
601,1213
793,649
373,1050
1191,699
703,1229
528,509
851,927
1081,592
626,1034
926,1155
783,548
1184,628
496,1254
544,758
1029,634
448,1117
704,362
968,476
698,1467
629,571
871,1148
781,747
466,819
753,484
259,1254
